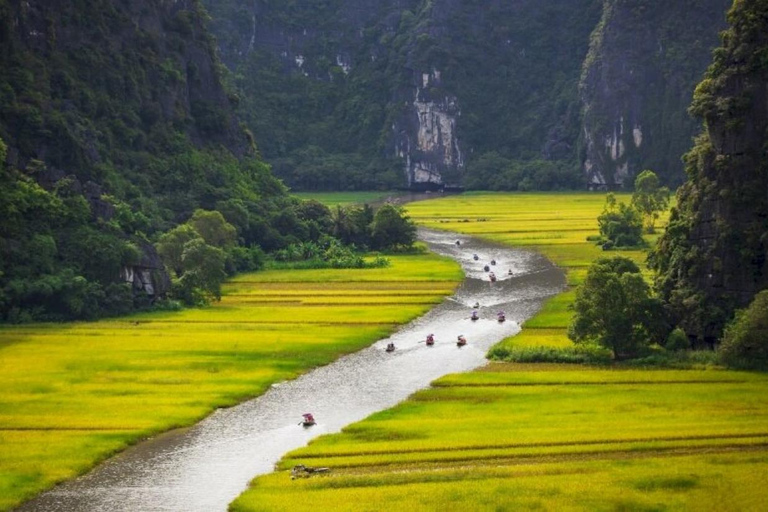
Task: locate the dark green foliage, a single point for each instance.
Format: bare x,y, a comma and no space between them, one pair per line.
55,261
614,308
712,258
620,225
327,253
491,171
745,342
392,229
117,128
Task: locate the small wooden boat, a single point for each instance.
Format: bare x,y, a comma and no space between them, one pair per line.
461,342
492,277
430,340
390,347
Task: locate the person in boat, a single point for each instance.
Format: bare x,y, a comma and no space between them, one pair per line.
486,268
492,276
476,257
458,242
430,339
509,272
501,316
474,316
461,340
308,419
390,347
493,262
476,306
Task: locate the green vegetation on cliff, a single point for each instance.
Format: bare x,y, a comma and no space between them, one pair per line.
712,258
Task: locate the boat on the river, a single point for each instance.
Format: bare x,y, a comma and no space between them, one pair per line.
461,341
390,347
501,317
308,420
430,340
492,277
474,316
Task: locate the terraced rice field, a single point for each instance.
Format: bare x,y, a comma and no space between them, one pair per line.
73,394
547,437
536,436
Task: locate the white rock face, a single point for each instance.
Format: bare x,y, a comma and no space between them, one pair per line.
435,147
437,132
637,136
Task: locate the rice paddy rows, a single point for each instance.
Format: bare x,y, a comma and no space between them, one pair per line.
73,394
639,440
543,436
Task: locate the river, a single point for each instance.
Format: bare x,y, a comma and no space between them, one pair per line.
206,466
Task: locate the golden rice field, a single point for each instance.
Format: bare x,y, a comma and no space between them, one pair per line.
545,437
542,436
73,394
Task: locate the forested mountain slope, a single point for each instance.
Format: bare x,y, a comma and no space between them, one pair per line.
116,126
496,94
713,258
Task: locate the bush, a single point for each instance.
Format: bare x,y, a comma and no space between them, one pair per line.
588,353
620,224
677,341
745,342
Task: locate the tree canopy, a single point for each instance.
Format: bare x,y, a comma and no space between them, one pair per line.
615,309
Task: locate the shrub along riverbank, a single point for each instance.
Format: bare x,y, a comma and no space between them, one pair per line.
547,436
73,394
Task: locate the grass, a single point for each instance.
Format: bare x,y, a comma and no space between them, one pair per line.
543,436
74,394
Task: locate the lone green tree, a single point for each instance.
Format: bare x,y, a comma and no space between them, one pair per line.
650,198
620,224
614,308
392,229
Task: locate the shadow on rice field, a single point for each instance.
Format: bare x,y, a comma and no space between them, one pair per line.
74,394
542,436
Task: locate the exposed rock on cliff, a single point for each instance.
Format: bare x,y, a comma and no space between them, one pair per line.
638,78
340,93
714,256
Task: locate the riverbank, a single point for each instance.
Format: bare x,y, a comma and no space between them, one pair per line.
553,437
75,394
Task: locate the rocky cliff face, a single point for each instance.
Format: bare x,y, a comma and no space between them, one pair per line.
431,87
83,79
714,256
419,86
638,78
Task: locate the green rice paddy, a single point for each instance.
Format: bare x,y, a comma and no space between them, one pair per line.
73,394
542,436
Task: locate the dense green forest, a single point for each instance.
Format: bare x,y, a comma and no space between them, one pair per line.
116,127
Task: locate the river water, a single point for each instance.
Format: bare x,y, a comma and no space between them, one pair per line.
205,467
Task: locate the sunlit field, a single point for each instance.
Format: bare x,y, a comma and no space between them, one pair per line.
543,436
73,394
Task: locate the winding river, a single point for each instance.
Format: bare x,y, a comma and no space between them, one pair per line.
204,467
